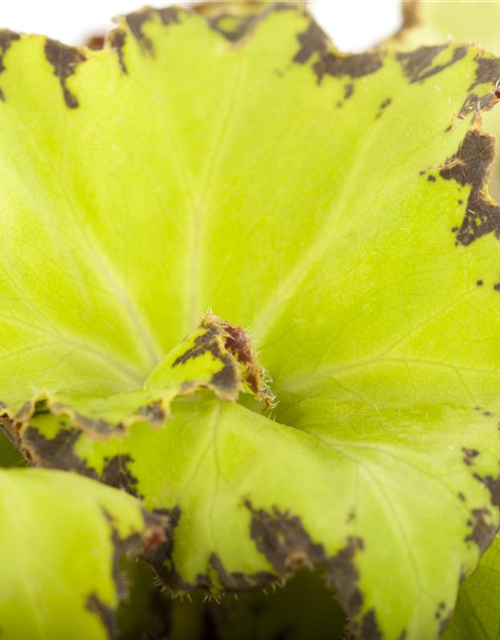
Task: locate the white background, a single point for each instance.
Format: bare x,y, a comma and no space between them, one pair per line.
353,24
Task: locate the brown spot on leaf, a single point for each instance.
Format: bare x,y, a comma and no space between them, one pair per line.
493,486
417,64
117,474
160,558
444,623
6,39
64,60
483,532
99,425
283,540
117,41
106,614
154,413
57,452
354,66
121,546
348,90
232,26
487,71
469,455
240,28
471,166
313,40
136,21
369,628
238,582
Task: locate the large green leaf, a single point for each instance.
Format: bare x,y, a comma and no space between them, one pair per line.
60,542
230,158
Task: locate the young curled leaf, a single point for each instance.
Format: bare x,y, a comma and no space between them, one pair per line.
218,356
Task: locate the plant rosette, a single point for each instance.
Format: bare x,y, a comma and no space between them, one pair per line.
333,212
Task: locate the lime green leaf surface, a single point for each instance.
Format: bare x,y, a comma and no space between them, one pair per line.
230,158
60,542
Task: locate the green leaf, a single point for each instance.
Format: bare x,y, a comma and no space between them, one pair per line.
477,614
61,539
229,158
9,455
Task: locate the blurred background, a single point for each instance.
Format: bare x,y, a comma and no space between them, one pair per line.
353,24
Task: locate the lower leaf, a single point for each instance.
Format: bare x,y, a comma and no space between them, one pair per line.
60,543
394,521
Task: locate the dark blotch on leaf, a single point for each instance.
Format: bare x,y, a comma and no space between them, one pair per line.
471,166
236,27
493,486
313,40
105,613
117,474
469,455
6,39
117,40
348,90
237,582
154,413
354,66
417,65
58,452
160,557
369,628
121,546
487,72
483,532
64,60
283,540
136,21
444,623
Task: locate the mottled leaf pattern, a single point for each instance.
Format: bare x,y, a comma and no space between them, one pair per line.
228,158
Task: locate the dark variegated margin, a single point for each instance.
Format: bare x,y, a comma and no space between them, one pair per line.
280,535
155,527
